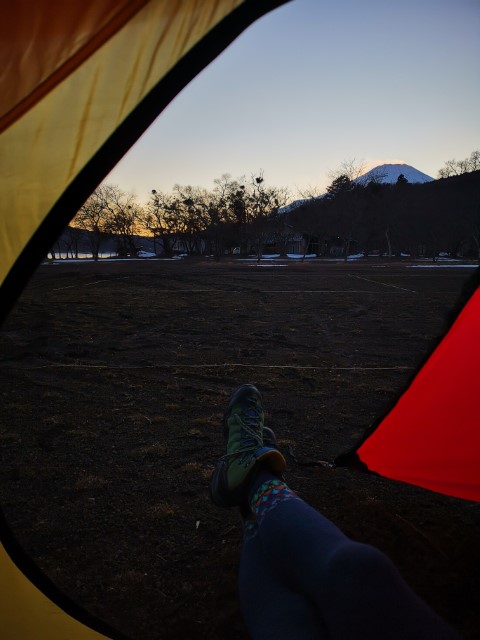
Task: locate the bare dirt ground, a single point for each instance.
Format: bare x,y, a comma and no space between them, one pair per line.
114,380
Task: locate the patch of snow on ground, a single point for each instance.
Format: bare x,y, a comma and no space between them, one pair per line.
75,260
297,256
255,258
102,260
436,265
146,254
355,256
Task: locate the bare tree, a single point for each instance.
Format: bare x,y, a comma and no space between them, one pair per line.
108,212
189,205
350,168
218,222
457,167
159,218
451,168
375,176
263,216
123,218
251,207
93,217
474,161
233,197
310,192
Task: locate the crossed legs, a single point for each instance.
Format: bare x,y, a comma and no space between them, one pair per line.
301,577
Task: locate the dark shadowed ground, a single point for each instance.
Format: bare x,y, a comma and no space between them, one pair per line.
114,380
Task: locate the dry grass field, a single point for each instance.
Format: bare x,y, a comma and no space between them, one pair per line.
114,380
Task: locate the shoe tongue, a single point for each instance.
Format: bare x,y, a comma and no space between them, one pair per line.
251,414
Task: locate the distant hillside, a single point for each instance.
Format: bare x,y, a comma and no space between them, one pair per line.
384,173
297,203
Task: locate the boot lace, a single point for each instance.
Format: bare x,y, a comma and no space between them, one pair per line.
251,438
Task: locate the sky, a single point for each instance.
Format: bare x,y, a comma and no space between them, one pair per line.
314,84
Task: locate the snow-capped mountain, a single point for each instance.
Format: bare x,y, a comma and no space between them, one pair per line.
389,173
384,173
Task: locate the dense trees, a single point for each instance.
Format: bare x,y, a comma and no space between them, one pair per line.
237,212
109,212
391,219
158,217
351,216
418,219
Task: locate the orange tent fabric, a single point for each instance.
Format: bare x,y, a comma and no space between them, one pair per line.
58,39
431,438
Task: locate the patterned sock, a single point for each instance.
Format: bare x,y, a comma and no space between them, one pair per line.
268,495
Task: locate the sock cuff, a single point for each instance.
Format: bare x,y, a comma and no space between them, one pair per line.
268,495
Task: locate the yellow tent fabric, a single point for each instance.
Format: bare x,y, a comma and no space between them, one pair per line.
25,611
80,82
44,149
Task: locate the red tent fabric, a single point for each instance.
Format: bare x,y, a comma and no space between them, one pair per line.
431,438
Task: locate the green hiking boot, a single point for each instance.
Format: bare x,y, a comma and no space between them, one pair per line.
249,445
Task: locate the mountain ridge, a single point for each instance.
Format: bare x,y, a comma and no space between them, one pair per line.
387,173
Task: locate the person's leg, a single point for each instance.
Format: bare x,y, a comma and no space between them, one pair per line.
304,558
356,589
269,607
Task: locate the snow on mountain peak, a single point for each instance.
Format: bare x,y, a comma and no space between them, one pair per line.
389,173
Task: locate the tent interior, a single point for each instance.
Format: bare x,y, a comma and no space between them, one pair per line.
112,403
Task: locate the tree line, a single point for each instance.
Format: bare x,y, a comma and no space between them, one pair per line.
394,219
236,212
246,214
457,167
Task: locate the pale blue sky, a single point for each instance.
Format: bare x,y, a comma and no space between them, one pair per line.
315,83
